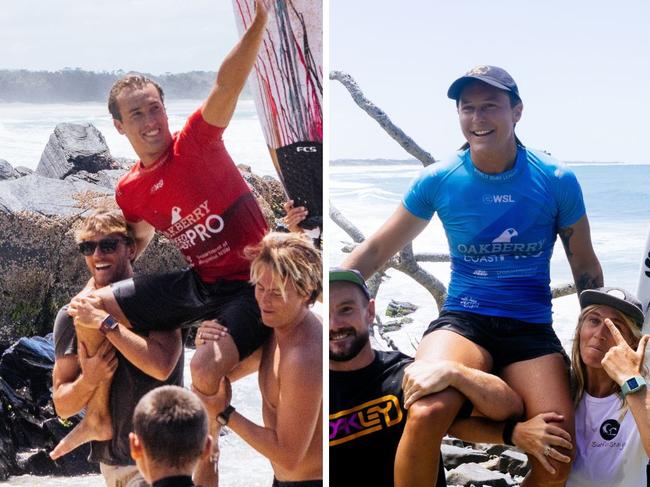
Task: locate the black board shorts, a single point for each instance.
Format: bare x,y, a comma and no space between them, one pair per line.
296,483
178,299
508,340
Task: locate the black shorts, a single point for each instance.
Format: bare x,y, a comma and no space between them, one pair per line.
508,340
178,299
297,483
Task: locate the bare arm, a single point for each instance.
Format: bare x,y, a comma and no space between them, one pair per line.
156,355
231,77
621,363
401,228
585,267
531,436
75,378
297,412
491,396
143,233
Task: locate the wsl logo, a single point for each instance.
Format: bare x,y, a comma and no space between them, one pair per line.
609,429
497,198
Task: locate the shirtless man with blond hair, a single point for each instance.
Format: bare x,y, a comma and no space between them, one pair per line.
286,270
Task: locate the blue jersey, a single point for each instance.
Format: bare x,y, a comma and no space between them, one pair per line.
501,229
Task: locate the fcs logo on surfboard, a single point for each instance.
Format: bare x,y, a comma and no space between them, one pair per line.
306,148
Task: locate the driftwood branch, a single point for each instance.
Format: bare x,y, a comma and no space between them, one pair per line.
396,133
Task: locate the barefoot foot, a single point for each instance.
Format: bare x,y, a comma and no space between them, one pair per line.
92,428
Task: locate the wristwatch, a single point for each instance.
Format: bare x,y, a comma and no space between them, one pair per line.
224,416
632,385
108,324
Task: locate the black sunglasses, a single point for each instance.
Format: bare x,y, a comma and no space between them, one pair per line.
106,246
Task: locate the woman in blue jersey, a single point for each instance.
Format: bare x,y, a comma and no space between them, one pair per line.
502,206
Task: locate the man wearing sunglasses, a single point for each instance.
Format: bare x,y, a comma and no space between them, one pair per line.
136,362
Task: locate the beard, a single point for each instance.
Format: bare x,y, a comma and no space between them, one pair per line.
352,348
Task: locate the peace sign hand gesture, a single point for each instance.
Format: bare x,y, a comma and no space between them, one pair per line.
622,362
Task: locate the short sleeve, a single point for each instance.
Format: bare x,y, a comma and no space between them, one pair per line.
571,204
65,337
199,133
418,200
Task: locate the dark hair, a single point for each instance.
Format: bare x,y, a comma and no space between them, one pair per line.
172,425
129,81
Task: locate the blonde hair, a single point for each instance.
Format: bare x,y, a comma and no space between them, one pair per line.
290,257
579,369
106,221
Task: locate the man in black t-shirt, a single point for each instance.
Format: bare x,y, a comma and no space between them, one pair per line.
137,363
367,413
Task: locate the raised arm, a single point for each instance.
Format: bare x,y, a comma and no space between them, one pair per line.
585,267
489,394
621,363
400,229
231,77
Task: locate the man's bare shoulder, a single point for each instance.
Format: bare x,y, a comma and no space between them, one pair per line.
306,344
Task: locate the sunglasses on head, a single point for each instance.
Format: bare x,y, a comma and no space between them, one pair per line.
106,246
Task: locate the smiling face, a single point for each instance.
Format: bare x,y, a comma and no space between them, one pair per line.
107,268
351,315
487,120
279,309
144,122
596,339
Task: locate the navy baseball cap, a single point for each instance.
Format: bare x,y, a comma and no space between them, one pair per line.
617,298
492,75
349,275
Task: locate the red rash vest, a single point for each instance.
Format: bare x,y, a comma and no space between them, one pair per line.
195,196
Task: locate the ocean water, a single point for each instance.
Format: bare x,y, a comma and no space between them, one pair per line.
617,197
25,129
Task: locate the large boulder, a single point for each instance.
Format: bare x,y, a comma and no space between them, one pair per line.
74,147
7,171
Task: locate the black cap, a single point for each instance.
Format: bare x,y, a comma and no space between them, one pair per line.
616,298
492,75
349,275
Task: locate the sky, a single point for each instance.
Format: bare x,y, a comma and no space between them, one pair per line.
154,36
582,67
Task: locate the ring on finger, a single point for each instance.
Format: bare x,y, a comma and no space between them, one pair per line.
547,451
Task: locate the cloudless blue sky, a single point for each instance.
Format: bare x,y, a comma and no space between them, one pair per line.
583,70
155,36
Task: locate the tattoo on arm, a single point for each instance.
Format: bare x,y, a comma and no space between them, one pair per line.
587,281
565,235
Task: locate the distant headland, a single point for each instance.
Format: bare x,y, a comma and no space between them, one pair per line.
71,85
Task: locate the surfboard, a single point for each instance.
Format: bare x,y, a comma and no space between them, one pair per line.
643,288
287,83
